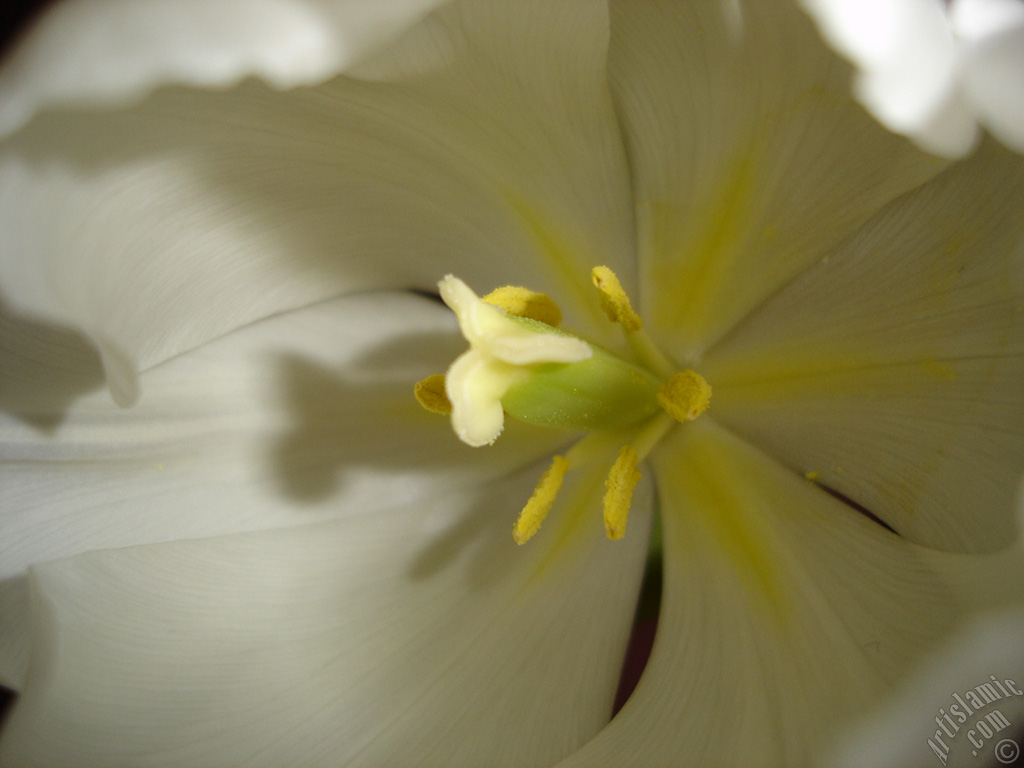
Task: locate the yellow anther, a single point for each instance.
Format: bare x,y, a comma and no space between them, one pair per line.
614,300
540,502
431,395
622,479
522,302
685,396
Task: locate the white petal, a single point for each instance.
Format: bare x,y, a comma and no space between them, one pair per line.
994,81
952,130
908,67
14,632
116,51
992,646
419,636
893,369
749,158
785,615
974,20
157,227
303,417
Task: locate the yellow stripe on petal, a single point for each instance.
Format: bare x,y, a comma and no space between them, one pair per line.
713,467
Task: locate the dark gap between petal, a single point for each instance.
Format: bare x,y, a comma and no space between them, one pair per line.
856,507
641,639
15,18
7,697
430,295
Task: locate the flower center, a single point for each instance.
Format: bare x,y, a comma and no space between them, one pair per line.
521,364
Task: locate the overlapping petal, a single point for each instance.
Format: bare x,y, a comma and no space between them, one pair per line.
103,51
749,158
482,141
415,635
785,614
893,369
408,628
303,417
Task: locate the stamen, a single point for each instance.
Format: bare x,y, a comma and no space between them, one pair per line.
685,396
622,479
431,395
520,364
522,302
540,502
614,300
615,303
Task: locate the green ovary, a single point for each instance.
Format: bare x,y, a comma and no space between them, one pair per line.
601,392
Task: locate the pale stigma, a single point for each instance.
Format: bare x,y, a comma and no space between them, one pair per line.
501,350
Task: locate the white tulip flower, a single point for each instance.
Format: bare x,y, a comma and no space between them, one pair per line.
232,216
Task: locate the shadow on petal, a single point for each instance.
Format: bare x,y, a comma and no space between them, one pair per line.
361,423
45,368
14,634
475,530
355,419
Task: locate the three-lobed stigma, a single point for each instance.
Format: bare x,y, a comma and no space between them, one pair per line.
521,364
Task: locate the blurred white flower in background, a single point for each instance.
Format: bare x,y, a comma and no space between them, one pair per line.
935,70
228,212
